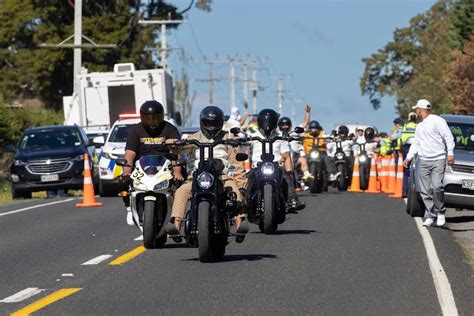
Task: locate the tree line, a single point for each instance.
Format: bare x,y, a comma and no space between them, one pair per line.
432,58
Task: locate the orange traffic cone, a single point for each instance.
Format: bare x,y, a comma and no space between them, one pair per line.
392,176
88,190
355,185
248,165
399,181
373,178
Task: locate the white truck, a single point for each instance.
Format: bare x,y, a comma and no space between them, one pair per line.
104,95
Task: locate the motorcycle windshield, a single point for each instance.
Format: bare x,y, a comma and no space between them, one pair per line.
152,161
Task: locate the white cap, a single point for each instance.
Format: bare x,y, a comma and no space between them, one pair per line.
422,104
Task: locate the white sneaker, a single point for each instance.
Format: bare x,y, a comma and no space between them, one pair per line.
440,220
332,177
428,222
130,217
307,176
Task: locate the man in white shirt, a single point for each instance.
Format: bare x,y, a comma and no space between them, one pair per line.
434,144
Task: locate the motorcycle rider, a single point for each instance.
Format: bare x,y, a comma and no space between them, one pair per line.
267,124
371,145
315,130
211,122
297,149
152,130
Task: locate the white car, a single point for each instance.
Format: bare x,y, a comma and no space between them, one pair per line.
114,147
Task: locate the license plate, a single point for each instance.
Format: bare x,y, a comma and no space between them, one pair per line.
468,184
49,178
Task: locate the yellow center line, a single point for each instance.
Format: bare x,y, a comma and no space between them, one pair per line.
128,256
39,304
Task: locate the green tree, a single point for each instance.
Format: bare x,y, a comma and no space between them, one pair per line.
29,71
412,66
462,18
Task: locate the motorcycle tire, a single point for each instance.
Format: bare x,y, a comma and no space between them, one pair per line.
206,244
269,225
151,240
315,185
342,183
364,179
415,206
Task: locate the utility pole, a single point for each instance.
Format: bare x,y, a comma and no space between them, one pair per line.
163,37
245,85
77,46
233,82
210,79
280,92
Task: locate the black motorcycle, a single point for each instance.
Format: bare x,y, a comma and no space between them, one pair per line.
317,168
213,206
267,199
364,167
342,166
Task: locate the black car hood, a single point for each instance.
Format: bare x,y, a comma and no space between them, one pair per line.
69,152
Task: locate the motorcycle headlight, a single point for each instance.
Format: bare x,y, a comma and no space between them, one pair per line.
205,180
314,155
268,169
19,163
340,156
162,185
363,158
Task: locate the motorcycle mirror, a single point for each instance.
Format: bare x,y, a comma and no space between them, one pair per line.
171,156
298,130
122,162
235,130
241,157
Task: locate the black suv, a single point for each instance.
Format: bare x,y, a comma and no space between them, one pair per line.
49,158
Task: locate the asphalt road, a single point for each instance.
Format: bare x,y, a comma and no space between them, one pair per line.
345,254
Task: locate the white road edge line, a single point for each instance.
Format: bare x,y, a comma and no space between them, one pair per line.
22,295
96,260
440,279
35,206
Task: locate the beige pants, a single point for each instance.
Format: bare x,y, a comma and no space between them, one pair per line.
183,194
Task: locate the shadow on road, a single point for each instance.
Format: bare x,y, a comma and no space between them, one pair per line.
230,258
291,232
460,219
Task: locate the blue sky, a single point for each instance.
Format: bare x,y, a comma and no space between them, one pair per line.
317,44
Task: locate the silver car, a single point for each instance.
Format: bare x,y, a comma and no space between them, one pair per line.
459,178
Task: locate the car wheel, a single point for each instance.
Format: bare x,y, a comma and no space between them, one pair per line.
20,194
415,205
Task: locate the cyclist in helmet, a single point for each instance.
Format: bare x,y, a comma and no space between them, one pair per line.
267,127
152,130
211,122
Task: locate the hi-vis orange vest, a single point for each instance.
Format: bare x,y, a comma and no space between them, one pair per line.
308,142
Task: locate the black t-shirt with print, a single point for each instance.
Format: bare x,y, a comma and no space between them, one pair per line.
143,143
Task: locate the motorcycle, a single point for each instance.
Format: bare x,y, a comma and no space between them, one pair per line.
342,166
213,206
317,168
268,196
150,192
364,167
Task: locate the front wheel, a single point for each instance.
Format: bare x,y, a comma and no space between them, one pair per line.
151,228
415,205
20,194
269,225
211,247
342,183
316,183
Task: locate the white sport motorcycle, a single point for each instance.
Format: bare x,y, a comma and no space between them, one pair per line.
151,196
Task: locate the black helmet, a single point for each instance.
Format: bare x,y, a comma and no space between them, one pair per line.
152,114
369,133
211,120
343,131
315,125
284,121
398,121
267,121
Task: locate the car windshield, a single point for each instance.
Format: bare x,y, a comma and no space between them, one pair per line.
119,133
51,140
463,135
